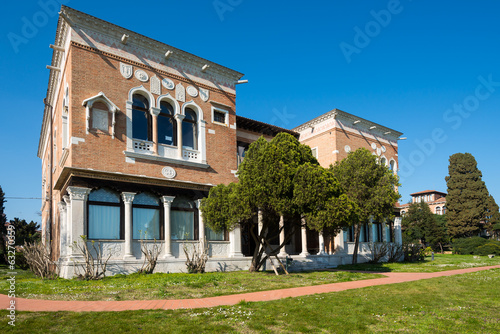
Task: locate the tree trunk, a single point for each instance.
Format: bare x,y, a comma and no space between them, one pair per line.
357,230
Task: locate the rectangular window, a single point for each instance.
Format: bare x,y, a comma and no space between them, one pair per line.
182,225
314,152
214,236
100,119
146,223
104,222
220,116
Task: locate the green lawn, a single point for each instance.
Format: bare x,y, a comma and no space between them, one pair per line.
441,262
468,303
169,286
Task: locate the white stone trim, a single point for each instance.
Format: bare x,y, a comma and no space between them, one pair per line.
171,99
76,140
101,97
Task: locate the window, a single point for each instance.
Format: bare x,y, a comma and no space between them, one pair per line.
183,220
104,214
383,161
219,117
444,210
100,116
189,133
141,118
314,152
364,236
214,236
167,125
438,210
377,232
392,165
146,217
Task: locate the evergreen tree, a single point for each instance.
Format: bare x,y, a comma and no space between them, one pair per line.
420,225
467,198
492,215
370,185
3,228
25,232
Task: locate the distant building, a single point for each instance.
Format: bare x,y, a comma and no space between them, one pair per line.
435,199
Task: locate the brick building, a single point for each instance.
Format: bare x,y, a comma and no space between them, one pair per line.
435,199
135,132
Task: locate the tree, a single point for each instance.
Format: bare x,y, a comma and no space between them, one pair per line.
3,228
370,185
467,199
420,225
492,221
275,180
25,232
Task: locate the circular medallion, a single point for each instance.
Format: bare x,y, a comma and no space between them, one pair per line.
347,148
192,91
141,75
168,172
168,84
374,146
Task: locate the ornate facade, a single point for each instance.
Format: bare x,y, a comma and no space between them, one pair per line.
135,132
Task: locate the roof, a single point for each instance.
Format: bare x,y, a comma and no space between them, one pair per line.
335,113
261,127
428,192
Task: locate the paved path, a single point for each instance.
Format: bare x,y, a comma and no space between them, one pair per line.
23,304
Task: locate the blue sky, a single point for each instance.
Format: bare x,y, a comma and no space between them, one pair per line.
428,69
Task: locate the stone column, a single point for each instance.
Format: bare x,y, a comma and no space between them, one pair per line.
78,219
282,252
201,224
67,223
179,118
154,114
397,231
235,242
321,243
62,229
303,234
167,204
339,242
128,198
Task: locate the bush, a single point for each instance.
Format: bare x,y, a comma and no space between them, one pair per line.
491,247
413,252
466,246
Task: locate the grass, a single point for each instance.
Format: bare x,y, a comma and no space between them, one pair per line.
441,262
468,303
169,286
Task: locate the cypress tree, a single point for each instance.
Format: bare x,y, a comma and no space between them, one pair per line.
467,199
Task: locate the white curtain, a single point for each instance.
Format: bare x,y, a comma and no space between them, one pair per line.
146,223
182,225
215,236
104,222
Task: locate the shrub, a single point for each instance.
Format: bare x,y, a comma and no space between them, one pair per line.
196,262
466,246
38,259
413,252
491,247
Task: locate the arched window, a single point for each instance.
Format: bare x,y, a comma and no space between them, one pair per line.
438,210
403,212
444,210
167,125
104,214
141,118
146,216
383,161
392,165
189,132
184,219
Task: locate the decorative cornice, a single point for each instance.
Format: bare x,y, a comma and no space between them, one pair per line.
71,172
343,120
155,50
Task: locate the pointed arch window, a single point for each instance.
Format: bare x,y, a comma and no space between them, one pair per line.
167,125
189,130
141,118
